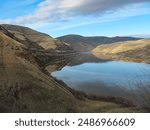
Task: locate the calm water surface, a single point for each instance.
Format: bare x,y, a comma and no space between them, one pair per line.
109,78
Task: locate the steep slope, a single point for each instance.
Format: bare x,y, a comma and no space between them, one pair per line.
32,36
26,87
138,51
80,43
42,46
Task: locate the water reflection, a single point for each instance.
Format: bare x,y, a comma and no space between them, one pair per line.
89,74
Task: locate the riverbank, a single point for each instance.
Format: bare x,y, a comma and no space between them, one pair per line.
93,103
134,51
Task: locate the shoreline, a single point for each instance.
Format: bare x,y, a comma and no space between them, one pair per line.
119,58
82,96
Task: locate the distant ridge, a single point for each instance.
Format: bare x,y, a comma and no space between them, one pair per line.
81,43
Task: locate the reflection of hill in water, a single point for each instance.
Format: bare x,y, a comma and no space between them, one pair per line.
72,60
85,58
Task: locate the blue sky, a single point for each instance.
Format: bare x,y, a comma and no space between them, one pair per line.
83,17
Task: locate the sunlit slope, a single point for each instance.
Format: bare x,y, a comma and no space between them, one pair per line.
23,87
42,39
138,51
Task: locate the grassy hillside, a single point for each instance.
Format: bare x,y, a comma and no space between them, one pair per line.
26,87
44,40
138,51
80,43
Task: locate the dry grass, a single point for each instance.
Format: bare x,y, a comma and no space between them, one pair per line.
102,106
25,88
121,46
136,51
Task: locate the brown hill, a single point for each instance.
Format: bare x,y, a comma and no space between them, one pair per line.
138,51
25,85
80,43
43,40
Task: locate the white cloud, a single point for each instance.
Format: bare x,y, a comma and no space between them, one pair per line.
59,10
118,15
71,4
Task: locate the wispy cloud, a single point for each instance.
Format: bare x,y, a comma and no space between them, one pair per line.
140,35
49,11
115,16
